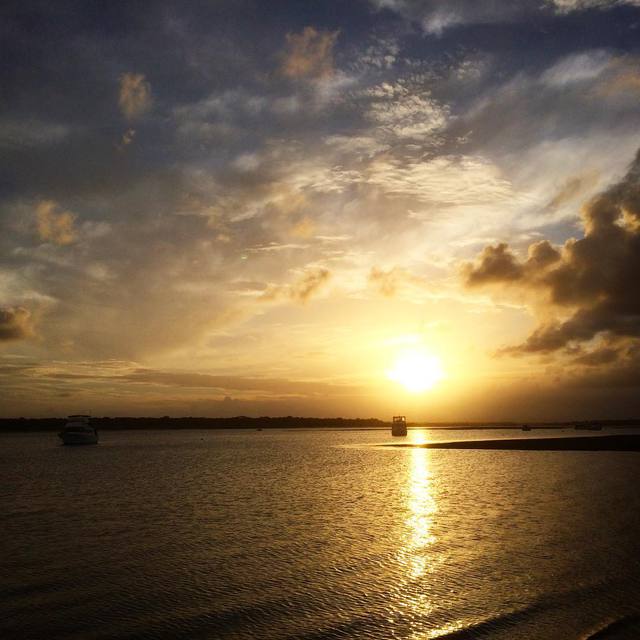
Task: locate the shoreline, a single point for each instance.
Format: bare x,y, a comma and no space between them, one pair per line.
127,423
623,442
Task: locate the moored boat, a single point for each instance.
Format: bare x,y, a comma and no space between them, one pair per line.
78,430
399,426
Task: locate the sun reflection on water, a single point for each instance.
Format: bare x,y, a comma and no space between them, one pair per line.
414,601
420,605
422,508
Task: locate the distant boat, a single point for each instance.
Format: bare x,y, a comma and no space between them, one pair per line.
526,427
399,426
79,431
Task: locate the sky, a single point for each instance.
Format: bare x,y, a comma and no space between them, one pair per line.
321,208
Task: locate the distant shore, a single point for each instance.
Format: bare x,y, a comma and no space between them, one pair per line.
623,442
168,423
286,422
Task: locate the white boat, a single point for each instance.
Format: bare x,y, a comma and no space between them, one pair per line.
79,431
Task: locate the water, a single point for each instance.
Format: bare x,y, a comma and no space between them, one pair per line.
311,534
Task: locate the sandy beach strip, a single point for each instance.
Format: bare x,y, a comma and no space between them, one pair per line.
623,442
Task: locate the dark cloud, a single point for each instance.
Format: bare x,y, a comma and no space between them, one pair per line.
605,355
593,280
496,264
614,369
16,323
499,265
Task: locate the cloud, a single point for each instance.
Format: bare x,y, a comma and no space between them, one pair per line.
381,54
405,112
495,264
16,323
597,357
127,138
611,77
225,105
436,16
135,95
623,82
309,54
572,188
499,265
443,180
304,228
307,285
556,116
391,281
589,289
190,379
26,134
577,68
567,6
385,281
55,224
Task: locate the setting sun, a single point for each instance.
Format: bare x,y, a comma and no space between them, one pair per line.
416,371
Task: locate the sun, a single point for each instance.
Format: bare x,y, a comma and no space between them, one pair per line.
416,371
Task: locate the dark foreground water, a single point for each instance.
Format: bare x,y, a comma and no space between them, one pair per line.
292,534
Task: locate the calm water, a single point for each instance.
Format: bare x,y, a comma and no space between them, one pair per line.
306,534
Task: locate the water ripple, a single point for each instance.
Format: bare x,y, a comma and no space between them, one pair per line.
280,535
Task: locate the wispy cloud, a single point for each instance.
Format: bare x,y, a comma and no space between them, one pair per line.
19,133
444,180
437,16
398,110
566,6
190,379
302,289
389,282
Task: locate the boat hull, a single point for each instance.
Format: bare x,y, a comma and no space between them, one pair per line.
78,438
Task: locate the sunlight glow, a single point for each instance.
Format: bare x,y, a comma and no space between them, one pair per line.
416,371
